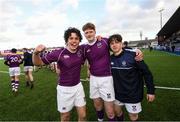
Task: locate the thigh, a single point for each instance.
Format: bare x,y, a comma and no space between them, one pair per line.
94,90
30,68
106,89
17,71
79,96
118,107
65,99
25,68
98,104
11,72
81,111
109,107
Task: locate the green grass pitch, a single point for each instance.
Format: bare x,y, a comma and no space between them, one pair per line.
39,104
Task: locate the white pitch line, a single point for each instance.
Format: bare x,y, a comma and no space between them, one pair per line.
169,88
157,87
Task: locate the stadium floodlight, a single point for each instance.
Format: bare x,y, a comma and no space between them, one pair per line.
160,11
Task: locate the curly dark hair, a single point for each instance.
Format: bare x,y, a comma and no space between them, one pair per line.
70,30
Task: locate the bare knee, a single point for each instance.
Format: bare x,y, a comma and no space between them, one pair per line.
110,113
118,110
133,117
81,113
109,107
65,117
82,117
98,104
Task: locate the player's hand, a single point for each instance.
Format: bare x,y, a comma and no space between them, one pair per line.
150,97
39,49
99,38
139,55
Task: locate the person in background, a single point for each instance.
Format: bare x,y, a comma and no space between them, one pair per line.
13,60
28,68
125,45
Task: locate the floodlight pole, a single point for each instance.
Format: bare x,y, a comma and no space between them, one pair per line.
160,11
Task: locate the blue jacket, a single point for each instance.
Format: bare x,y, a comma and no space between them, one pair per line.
129,76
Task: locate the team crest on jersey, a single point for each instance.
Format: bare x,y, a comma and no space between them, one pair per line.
99,44
66,56
123,63
79,53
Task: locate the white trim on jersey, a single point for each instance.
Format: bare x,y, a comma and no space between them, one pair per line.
131,50
105,42
60,54
122,68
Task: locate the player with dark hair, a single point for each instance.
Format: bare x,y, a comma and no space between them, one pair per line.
13,60
70,91
28,68
129,76
125,45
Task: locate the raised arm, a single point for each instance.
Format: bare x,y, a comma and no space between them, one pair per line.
36,55
4,54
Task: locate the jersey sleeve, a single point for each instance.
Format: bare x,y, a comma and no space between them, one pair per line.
106,40
147,75
51,57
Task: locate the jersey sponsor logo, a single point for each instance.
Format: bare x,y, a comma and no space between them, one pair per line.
99,44
108,95
66,56
124,63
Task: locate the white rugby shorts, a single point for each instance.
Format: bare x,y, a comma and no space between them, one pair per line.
14,71
70,96
130,107
102,87
28,68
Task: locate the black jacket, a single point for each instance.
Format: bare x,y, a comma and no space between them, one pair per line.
28,59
